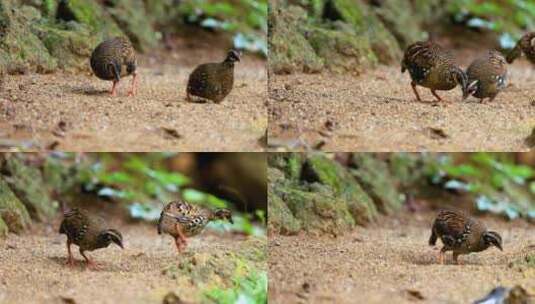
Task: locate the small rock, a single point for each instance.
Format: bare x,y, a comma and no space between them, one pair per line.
306,287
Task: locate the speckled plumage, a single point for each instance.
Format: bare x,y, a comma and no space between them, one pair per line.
461,234
525,45
181,219
432,67
89,232
213,81
487,76
115,58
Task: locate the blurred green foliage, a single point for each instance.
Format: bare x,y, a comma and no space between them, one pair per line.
144,183
508,18
249,288
500,185
246,19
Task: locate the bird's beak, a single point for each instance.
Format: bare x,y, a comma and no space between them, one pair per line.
499,247
230,220
120,244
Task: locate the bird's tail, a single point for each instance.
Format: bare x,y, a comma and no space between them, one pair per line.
433,238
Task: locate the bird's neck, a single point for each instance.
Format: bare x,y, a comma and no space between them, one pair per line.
228,63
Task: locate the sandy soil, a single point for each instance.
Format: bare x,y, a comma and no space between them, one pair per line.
377,111
74,111
386,263
33,271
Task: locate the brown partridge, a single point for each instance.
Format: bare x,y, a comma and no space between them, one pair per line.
432,67
487,76
181,219
113,59
525,45
213,81
461,234
89,232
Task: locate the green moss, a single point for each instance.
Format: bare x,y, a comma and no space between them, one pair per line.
131,16
346,51
217,268
366,23
318,210
375,178
21,49
93,15
530,260
280,217
289,49
13,215
73,45
27,183
402,21
329,172
3,228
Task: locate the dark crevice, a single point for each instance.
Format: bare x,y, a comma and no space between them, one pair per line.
330,12
64,12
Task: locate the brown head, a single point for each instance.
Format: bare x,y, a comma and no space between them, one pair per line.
233,56
223,214
491,238
106,237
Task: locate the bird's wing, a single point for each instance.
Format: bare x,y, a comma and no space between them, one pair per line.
452,223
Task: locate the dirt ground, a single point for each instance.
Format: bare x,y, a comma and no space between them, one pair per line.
391,262
74,112
33,267
377,111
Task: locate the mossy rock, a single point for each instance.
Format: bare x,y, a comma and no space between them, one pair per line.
328,172
318,209
219,268
343,50
375,178
13,215
20,49
71,43
280,217
90,13
313,192
132,18
366,23
28,185
401,20
3,228
289,163
289,50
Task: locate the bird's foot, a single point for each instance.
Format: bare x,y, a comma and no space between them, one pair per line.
131,93
70,262
93,266
441,258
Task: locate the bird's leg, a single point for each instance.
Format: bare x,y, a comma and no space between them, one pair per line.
70,260
438,97
133,89
90,264
181,235
114,88
413,85
178,244
457,261
441,256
